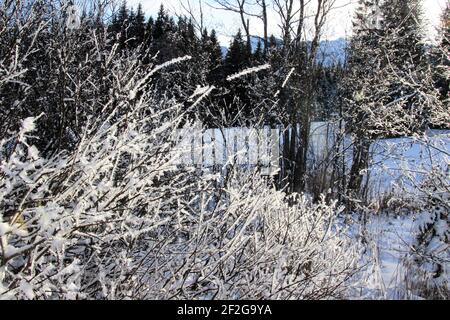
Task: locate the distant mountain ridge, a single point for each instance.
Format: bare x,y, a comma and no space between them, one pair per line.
330,52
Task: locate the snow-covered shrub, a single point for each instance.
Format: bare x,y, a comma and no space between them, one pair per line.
80,225
431,255
70,223
249,241
425,182
72,228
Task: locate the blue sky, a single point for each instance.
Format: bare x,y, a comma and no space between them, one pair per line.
339,24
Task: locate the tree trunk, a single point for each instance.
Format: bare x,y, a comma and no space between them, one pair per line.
360,164
301,156
265,22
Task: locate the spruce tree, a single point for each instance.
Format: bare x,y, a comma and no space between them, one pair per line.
237,56
442,58
211,47
237,59
258,55
214,49
163,36
388,88
211,55
138,26
187,40
121,25
131,35
402,29
364,59
362,62
408,69
205,37
149,27
386,48
161,24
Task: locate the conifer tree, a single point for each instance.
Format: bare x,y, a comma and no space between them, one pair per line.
149,27
441,58
237,56
138,26
211,56
211,47
362,63
258,55
388,86
214,49
187,40
402,28
163,36
121,24
161,24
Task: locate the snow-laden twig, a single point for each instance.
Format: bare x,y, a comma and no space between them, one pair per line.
157,68
288,77
285,82
203,95
248,71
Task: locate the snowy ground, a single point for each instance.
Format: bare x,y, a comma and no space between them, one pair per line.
397,166
392,158
389,247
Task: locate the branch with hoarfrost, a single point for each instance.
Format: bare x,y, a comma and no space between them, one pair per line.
199,91
117,217
288,77
154,70
285,82
203,92
248,71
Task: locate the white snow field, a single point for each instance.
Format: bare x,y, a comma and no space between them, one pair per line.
247,146
389,246
391,237
388,258
415,156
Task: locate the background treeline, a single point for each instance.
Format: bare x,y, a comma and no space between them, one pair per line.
165,37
